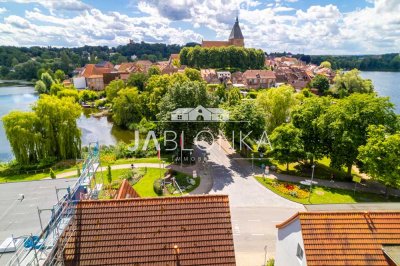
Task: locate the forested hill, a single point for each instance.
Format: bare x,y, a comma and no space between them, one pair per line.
25,62
385,62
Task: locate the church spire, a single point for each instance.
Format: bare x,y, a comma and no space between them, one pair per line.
236,32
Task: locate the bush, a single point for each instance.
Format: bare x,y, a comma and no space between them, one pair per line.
270,262
52,174
157,186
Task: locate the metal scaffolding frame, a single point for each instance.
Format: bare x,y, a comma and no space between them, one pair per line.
44,248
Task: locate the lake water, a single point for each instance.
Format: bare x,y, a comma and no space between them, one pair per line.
386,84
21,96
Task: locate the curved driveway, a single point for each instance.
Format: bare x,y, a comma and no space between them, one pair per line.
255,210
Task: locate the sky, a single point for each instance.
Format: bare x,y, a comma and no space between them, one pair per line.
297,26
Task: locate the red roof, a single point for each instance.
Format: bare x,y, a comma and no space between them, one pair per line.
254,74
92,69
126,191
215,44
145,231
347,238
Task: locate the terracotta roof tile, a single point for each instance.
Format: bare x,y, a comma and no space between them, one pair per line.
215,44
144,232
126,191
347,238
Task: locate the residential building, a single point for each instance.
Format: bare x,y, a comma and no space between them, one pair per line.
199,113
188,230
235,38
339,238
223,75
144,65
95,82
259,78
209,76
93,76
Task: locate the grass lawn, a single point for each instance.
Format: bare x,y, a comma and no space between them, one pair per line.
40,174
324,195
144,187
32,177
322,169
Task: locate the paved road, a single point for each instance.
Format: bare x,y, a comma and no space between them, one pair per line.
21,217
255,210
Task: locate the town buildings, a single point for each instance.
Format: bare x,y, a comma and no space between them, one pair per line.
363,238
235,38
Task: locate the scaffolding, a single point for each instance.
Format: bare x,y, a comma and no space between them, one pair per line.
45,247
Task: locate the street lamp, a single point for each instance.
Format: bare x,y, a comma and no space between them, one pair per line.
265,252
312,178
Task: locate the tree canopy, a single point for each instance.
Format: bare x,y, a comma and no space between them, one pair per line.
381,155
47,133
350,82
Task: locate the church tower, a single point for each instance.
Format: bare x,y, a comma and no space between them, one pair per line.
236,38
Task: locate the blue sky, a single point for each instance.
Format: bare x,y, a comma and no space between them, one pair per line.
309,26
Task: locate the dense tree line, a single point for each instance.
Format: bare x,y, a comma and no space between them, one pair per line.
222,57
27,63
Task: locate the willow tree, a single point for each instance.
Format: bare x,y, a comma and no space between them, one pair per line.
22,130
59,129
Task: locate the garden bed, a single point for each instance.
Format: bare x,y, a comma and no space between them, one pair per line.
320,195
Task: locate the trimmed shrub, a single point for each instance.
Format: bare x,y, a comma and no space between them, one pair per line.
157,186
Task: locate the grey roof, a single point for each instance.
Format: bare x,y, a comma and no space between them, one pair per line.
236,32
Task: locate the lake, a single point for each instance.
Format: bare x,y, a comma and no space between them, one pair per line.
386,84
21,96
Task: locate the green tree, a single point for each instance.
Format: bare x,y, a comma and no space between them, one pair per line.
326,64
154,70
113,88
305,117
221,94
23,133
381,156
234,96
276,104
127,107
73,93
52,174
188,94
287,144
251,120
344,125
59,130
49,132
350,82
40,87
137,80
193,74
47,80
109,175
55,88
321,83
88,95
59,75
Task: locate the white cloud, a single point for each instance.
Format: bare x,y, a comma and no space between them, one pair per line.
3,10
75,5
273,26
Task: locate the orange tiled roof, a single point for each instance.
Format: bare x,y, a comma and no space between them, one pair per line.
124,67
144,232
347,238
264,74
126,191
215,44
92,69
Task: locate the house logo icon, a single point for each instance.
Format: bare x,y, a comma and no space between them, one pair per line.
199,114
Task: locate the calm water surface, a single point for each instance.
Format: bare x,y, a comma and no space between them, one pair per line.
22,96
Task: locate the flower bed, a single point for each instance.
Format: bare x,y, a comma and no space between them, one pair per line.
289,189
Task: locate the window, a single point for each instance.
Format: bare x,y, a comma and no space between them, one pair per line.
179,117
299,252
